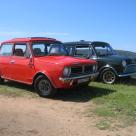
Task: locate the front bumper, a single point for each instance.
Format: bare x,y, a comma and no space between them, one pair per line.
68,79
130,70
125,75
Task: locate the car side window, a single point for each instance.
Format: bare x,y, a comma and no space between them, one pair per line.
20,50
6,50
40,49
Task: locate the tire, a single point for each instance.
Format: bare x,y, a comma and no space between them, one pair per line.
108,77
43,87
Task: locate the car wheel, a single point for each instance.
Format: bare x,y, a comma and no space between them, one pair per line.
108,77
44,87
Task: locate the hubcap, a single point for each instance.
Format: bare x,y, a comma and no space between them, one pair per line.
44,87
109,77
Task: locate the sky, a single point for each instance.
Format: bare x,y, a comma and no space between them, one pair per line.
112,21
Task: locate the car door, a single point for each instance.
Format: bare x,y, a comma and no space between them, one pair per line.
22,68
5,56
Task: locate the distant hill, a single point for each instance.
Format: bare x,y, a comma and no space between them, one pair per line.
126,53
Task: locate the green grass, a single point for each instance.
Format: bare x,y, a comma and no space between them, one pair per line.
114,106
118,106
12,89
103,124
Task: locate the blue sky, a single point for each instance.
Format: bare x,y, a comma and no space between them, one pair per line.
113,21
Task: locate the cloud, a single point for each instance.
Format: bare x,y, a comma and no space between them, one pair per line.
19,34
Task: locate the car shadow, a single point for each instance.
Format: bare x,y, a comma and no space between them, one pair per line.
17,85
83,94
128,81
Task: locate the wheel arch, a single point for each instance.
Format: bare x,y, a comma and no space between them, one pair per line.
42,74
107,67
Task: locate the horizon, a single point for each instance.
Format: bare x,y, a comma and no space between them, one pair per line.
92,20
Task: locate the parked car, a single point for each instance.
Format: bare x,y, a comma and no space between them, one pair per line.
111,66
41,62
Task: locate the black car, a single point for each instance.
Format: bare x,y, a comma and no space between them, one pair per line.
111,66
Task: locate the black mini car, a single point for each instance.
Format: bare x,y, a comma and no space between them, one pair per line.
111,66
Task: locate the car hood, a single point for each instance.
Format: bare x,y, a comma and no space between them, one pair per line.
119,58
115,57
65,60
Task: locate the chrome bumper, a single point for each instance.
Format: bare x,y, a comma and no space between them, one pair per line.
125,75
128,70
67,79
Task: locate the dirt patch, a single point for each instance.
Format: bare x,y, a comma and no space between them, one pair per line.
47,117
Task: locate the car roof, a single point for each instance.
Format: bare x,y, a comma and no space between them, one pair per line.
30,39
82,42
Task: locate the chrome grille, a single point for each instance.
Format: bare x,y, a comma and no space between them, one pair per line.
88,69
81,69
76,70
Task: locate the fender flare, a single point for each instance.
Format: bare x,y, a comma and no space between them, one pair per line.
106,67
46,75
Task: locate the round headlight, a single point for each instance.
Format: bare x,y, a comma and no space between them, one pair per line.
124,63
66,71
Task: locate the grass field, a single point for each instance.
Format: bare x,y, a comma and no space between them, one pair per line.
118,107
114,106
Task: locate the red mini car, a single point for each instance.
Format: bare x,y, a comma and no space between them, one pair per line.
42,62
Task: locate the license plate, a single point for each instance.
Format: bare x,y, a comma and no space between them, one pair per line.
83,80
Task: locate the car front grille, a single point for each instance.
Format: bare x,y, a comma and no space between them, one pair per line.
78,70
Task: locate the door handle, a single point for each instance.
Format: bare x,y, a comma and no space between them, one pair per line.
12,62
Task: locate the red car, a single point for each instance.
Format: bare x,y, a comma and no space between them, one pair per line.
42,62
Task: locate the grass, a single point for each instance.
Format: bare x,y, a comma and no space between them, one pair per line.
118,106
103,124
113,105
12,89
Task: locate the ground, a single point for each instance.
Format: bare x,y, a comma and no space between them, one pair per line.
45,117
65,115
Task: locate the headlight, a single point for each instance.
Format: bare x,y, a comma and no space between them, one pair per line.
66,71
124,63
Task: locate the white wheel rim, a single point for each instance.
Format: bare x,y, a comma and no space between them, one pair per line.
109,77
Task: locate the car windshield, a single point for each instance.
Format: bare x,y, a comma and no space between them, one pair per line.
41,49
84,51
104,50
57,50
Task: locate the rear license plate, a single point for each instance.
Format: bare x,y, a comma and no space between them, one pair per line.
83,80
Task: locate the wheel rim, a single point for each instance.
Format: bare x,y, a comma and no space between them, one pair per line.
109,77
44,87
